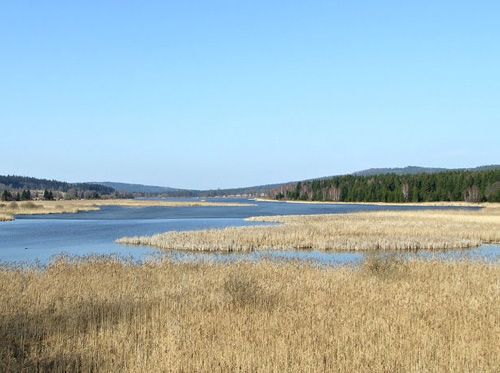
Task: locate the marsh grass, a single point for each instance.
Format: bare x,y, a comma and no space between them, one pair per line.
30,205
110,316
74,206
371,231
384,265
244,290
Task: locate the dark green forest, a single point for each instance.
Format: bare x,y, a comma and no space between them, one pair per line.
22,188
24,182
482,186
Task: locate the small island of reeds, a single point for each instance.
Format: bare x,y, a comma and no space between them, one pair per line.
387,230
8,210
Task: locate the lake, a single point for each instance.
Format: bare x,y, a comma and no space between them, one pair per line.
38,239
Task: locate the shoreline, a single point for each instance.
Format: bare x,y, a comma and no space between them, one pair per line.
410,204
9,211
6,218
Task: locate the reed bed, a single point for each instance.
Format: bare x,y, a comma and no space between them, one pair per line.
10,209
387,316
388,230
5,217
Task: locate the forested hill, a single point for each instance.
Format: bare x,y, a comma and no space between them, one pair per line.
151,190
410,170
471,186
30,183
141,188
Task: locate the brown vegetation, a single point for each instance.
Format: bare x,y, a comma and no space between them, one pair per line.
4,217
387,316
10,209
387,230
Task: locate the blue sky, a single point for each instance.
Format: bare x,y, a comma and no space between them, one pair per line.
229,93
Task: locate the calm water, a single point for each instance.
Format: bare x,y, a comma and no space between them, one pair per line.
40,238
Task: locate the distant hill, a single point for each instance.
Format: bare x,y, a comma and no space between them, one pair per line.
267,188
249,191
413,170
14,182
409,170
138,188
174,192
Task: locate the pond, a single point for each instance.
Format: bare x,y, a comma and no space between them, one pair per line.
41,238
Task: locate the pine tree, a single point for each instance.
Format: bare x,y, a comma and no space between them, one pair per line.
47,195
25,195
6,196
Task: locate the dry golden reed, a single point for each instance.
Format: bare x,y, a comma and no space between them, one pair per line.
386,316
388,230
10,209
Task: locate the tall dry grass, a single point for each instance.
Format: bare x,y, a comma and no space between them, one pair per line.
10,209
388,230
107,316
5,217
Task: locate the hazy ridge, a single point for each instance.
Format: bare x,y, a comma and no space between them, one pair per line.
258,189
108,187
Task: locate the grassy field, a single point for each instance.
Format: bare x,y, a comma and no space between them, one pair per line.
387,316
387,230
9,209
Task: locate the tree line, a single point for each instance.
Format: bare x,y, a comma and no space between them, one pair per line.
32,183
24,195
470,186
22,188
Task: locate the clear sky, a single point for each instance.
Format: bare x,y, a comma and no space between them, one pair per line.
204,94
